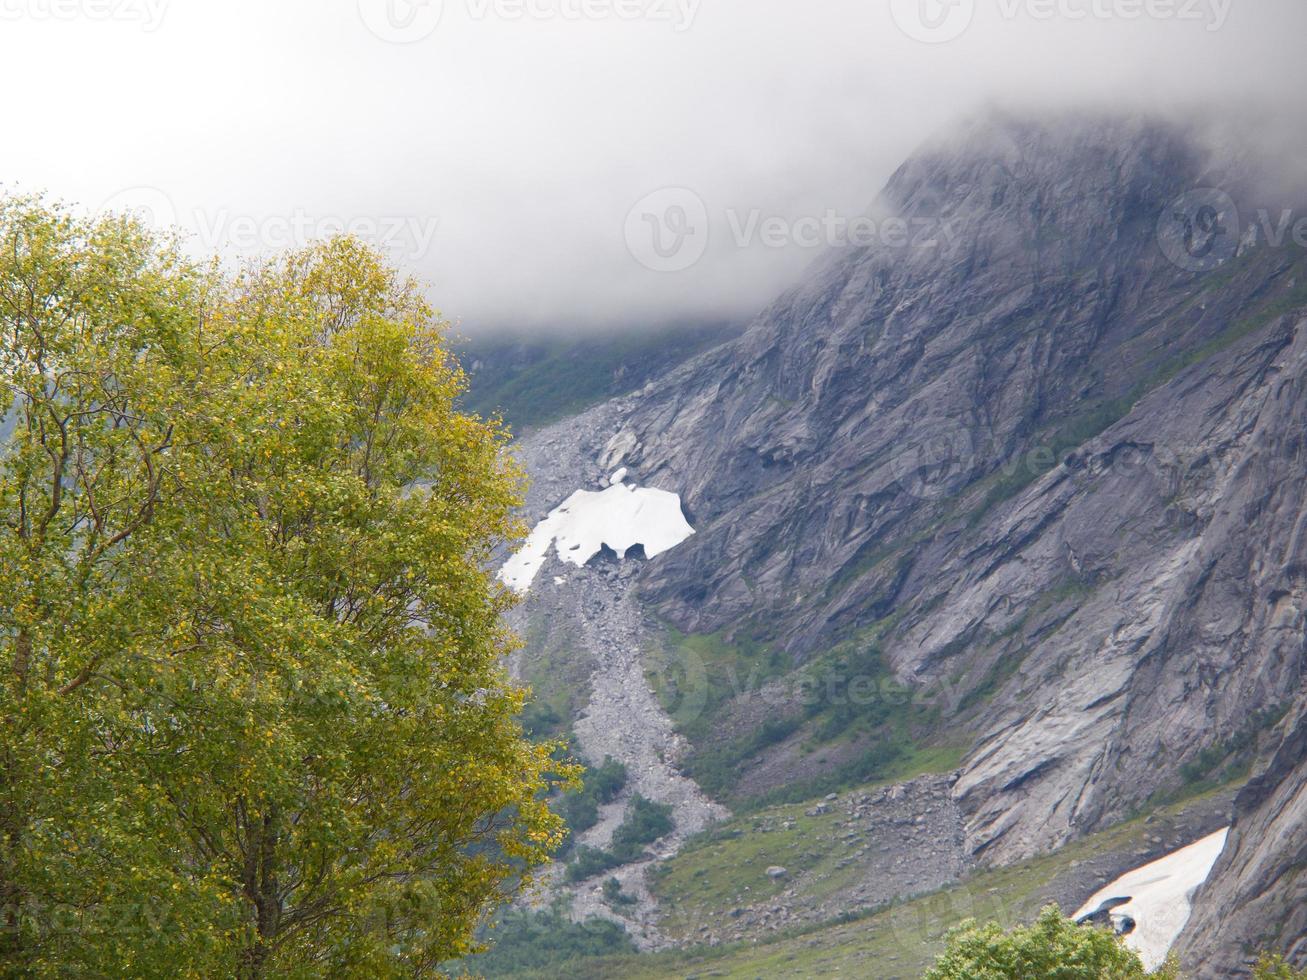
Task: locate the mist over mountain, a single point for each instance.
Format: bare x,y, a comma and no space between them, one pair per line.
496,149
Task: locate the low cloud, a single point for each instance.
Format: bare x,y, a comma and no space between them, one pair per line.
508,149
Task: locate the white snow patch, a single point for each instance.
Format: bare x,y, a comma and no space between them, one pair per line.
618,476
1159,895
621,517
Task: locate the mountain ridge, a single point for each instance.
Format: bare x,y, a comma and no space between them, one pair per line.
1016,470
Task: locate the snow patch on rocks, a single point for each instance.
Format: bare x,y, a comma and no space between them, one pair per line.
1159,896
620,517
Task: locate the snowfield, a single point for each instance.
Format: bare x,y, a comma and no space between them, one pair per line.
1159,895
620,517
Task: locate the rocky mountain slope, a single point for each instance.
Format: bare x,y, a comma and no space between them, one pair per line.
1038,469
1256,897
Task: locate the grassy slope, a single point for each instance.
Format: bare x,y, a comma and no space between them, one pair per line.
836,737
725,867
536,379
895,943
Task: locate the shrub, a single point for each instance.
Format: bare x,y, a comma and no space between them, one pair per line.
1275,968
1053,947
600,785
527,939
590,861
613,894
645,822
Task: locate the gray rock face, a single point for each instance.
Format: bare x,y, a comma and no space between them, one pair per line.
1185,521
896,377
1056,475
1256,897
879,448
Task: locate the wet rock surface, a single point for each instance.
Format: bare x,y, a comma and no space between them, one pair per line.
902,443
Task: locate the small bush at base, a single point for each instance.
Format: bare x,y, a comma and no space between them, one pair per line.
1053,946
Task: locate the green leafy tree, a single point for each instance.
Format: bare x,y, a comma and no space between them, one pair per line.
94,384
1052,948
253,712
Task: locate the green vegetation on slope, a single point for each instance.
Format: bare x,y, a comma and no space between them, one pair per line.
558,676
599,785
871,761
1275,968
534,379
845,704
725,867
695,675
644,823
526,940
897,942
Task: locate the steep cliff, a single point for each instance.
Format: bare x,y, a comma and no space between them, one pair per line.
1256,897
1043,454
1030,458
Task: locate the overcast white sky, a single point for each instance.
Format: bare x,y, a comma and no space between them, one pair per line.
500,149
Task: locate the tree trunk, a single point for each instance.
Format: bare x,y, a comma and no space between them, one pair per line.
260,887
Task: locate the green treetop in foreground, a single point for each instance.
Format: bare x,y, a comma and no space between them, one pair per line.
1052,948
253,718
1055,948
